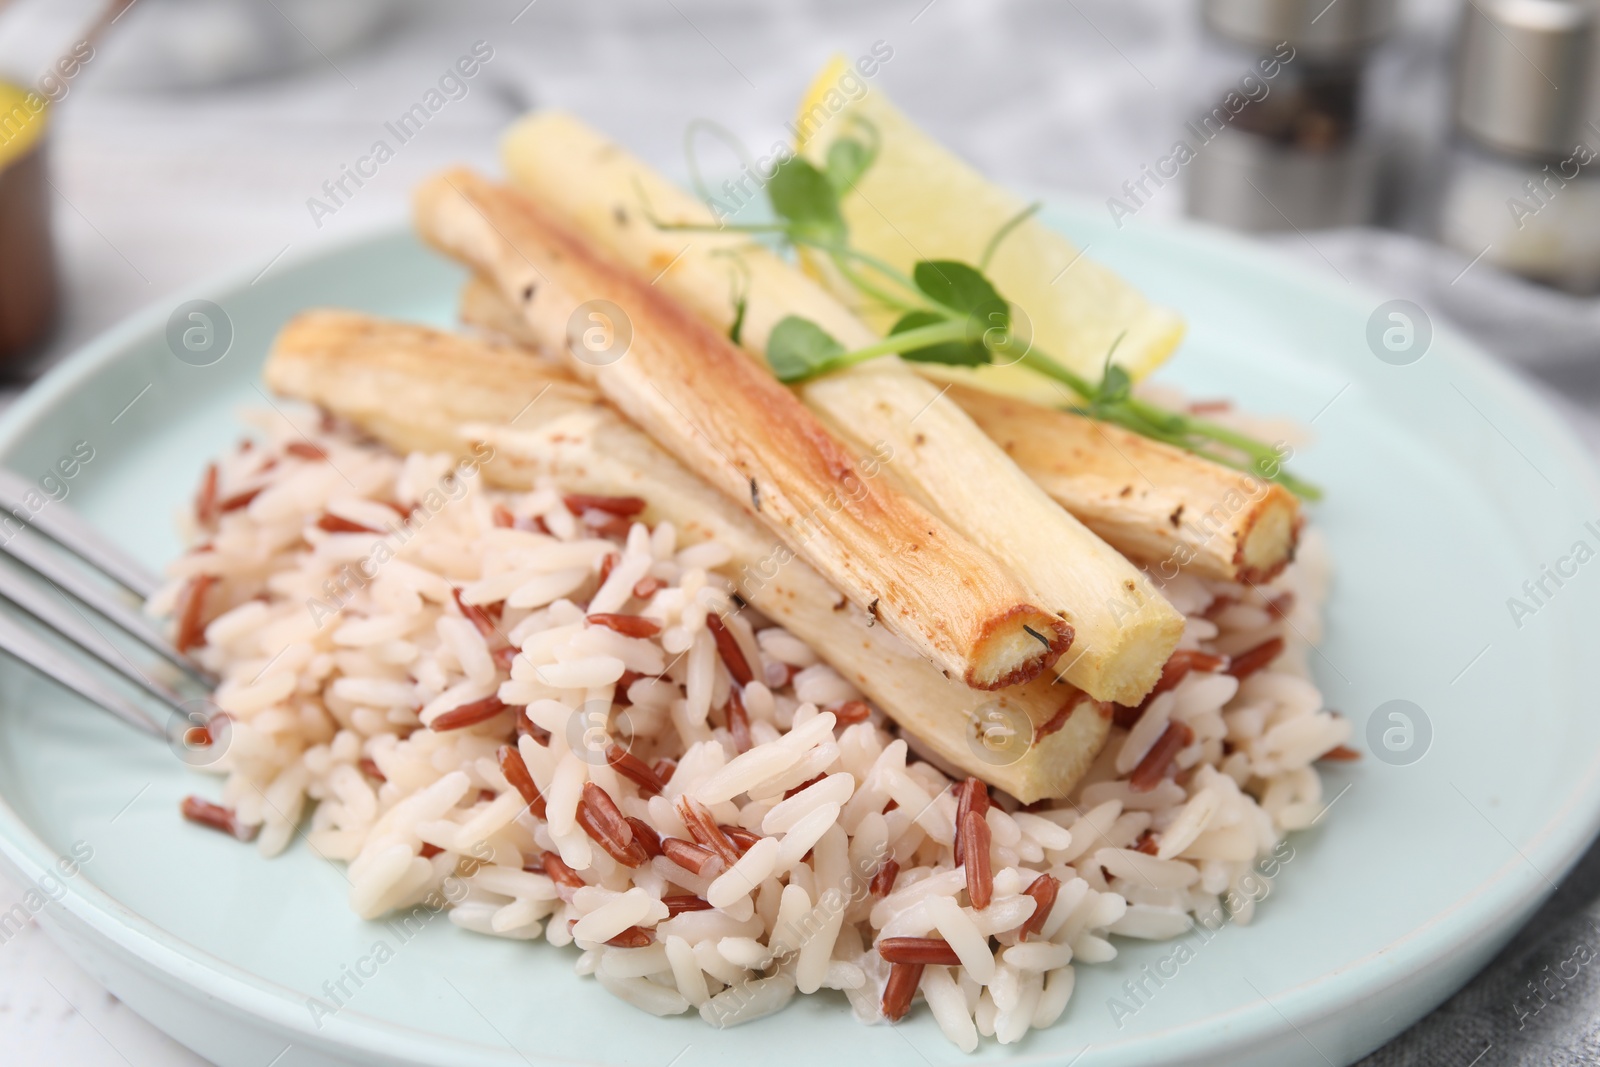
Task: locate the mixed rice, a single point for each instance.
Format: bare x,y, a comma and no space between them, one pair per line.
561,724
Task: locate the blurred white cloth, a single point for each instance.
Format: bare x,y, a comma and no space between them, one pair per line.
157,191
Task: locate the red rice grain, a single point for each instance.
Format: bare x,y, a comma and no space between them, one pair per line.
686,854
626,625
1043,890
633,768
239,500
205,500
920,950
191,612
429,851
803,786
478,615
1148,774
645,836
971,795
633,937
738,722
1247,663
645,588
217,817
1341,754
625,507
728,648
899,990
515,769
606,826
469,714
851,712
742,839
975,858
678,903
704,829
883,881
305,450
608,564
335,524
369,767
556,869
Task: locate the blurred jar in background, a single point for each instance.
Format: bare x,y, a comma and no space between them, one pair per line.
1522,189
1297,155
27,258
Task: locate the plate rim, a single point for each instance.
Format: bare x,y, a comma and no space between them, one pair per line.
1479,913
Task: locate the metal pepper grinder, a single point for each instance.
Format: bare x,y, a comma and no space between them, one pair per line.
1289,150
1522,191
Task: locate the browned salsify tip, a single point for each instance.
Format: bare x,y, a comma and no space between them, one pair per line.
1148,774
728,648
899,990
883,881
205,498
633,937
622,506
738,722
633,768
1247,663
215,816
468,714
556,869
975,859
626,625
515,769
604,823
678,903
934,950
704,829
191,612
1043,890
686,854
851,712
971,795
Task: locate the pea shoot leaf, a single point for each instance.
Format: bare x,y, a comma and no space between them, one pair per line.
807,201
969,352
797,348
848,159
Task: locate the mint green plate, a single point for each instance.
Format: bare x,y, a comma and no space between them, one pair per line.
1448,486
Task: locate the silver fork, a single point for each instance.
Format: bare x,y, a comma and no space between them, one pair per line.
53,590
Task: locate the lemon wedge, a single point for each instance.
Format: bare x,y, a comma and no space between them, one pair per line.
919,201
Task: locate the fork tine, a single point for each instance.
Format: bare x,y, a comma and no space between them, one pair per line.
32,651
27,549
65,618
67,529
